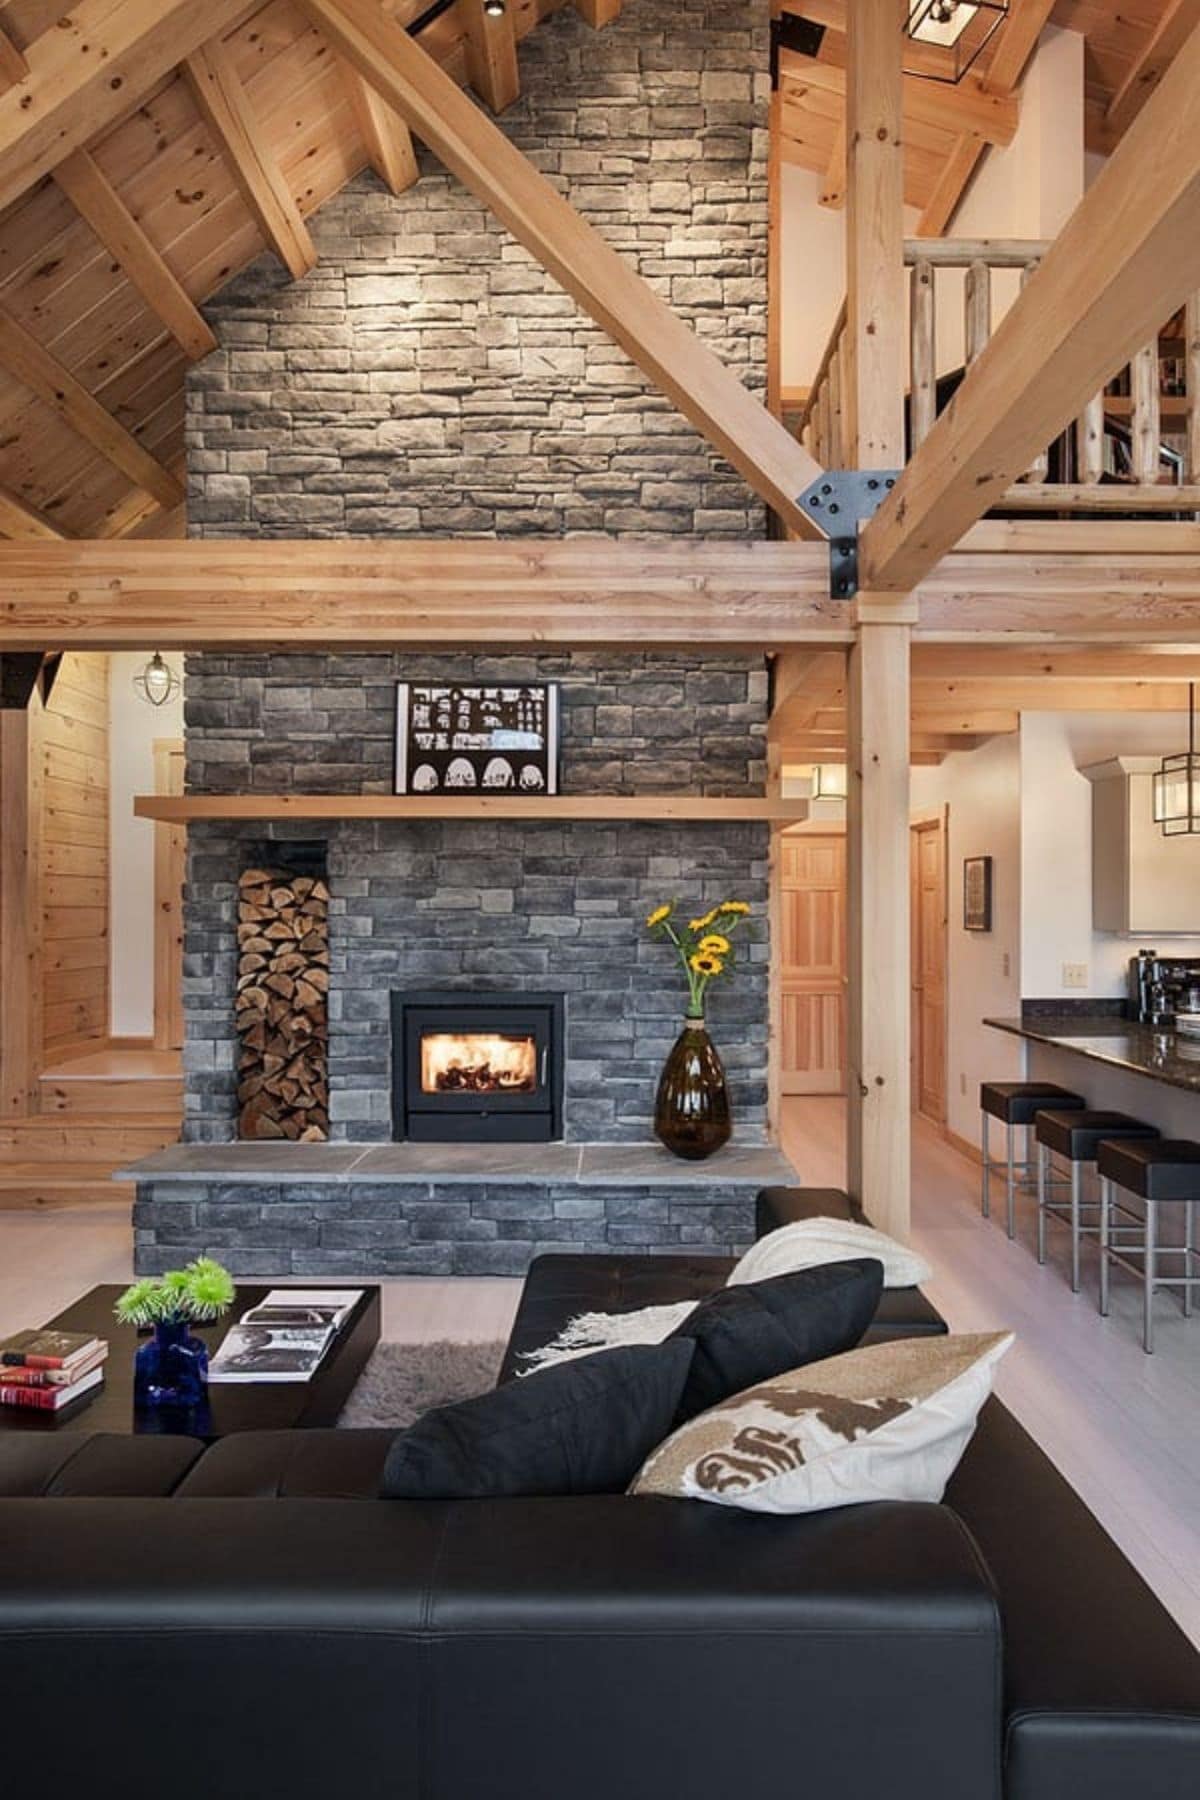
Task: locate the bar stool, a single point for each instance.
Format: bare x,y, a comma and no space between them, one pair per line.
1076,1137
1016,1104
1168,1170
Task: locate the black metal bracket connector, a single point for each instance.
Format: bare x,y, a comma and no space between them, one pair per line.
838,502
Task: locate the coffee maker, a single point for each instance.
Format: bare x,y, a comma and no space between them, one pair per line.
1160,987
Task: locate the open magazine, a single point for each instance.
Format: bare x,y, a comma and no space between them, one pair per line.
285,1336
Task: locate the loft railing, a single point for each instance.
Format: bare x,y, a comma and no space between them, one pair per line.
1136,446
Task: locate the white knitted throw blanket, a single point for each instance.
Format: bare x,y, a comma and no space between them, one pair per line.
804,1245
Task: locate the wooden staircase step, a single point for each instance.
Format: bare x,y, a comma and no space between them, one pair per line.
88,1137
105,1094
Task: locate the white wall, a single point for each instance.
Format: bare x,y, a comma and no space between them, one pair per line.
812,271
133,727
1026,189
981,788
1056,846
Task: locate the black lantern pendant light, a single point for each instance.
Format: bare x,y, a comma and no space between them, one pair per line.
157,682
946,36
1177,784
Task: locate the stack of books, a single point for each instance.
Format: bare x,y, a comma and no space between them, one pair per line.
48,1370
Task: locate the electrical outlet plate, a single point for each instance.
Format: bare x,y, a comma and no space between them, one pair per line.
1074,975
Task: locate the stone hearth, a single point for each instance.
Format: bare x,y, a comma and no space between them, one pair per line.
437,1209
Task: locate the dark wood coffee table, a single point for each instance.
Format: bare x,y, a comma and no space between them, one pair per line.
232,1406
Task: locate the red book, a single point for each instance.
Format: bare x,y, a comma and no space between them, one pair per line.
23,1376
49,1399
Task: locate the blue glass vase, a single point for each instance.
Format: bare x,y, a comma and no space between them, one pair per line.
171,1368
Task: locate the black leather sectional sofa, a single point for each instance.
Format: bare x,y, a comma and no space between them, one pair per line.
250,1620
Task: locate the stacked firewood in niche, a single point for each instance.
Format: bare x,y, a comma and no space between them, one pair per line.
282,1006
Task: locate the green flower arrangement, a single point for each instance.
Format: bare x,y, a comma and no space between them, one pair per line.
704,946
201,1293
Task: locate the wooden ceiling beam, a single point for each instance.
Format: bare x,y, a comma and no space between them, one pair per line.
1146,71
963,108
24,522
1127,258
1047,694
101,207
833,188
387,139
806,683
709,394
36,369
950,187
226,109
89,71
13,66
582,591
1058,663
491,46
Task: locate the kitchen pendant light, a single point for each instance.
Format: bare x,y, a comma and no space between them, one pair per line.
157,682
946,36
1177,784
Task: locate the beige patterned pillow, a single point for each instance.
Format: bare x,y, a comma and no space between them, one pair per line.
885,1423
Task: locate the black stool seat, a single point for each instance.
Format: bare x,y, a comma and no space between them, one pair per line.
1016,1102
1168,1169
1077,1135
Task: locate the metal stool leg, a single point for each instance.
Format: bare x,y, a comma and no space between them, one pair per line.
1076,1199
985,1198
1105,1218
1043,1158
1148,1280
1010,1192
1189,1246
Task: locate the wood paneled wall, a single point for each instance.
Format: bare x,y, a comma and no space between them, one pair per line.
70,776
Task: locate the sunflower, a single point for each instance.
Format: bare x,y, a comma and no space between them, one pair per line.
658,915
704,923
705,964
731,906
715,945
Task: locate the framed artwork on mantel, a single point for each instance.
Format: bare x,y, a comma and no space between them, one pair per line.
472,739
977,893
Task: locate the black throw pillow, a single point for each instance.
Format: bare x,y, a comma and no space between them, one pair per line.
746,1334
579,1427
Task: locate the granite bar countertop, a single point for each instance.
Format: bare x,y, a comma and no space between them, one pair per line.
1164,1056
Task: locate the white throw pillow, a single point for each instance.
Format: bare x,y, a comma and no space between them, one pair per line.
812,1241
888,1422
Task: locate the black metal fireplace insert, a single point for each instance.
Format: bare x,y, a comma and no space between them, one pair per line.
477,1067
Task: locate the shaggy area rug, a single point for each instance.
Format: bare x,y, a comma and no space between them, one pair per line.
402,1381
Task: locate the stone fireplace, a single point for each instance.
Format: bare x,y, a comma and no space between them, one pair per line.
477,1067
428,379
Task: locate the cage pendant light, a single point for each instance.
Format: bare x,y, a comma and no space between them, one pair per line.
947,36
1177,784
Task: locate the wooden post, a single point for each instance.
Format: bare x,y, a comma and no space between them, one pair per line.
20,1008
1089,441
977,301
878,947
1192,379
1146,428
923,350
1039,468
874,371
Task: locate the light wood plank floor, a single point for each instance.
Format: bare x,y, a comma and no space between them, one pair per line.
1123,1427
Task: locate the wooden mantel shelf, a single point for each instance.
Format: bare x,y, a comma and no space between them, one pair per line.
189,808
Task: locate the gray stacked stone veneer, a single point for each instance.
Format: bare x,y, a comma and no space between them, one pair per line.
492,904
428,377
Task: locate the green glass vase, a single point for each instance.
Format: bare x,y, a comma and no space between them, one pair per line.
691,1111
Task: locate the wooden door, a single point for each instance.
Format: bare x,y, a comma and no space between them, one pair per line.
812,972
929,969
170,864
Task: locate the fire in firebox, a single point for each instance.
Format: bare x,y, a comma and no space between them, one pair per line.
478,1063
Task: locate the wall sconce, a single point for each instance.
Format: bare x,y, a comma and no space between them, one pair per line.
946,36
157,682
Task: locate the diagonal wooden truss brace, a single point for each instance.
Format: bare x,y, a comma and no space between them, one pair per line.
607,288
1127,257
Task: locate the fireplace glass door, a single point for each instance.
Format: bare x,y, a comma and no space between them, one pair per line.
480,1068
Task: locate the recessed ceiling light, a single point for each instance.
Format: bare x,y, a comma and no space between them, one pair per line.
495,9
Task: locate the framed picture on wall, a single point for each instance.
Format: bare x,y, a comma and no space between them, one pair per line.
977,893
472,739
